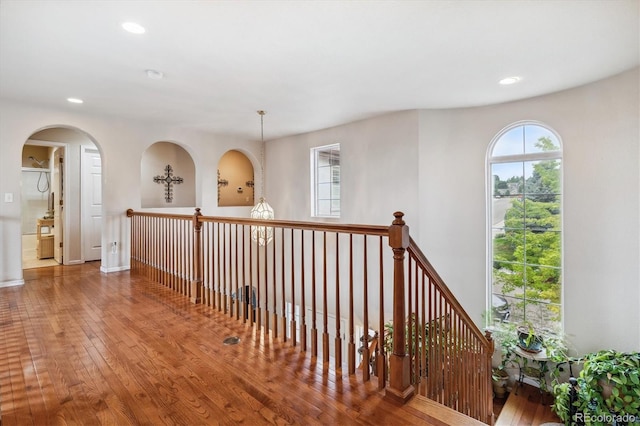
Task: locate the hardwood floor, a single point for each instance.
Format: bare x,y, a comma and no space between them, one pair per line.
527,407
81,347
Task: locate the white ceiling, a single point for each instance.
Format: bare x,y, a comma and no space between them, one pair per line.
309,64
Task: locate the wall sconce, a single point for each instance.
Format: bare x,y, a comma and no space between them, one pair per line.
249,183
223,182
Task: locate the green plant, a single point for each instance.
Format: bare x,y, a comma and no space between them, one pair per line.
609,383
562,401
511,336
413,336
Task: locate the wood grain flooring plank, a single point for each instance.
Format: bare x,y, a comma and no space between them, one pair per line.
82,347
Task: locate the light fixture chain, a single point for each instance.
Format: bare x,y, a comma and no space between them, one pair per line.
262,153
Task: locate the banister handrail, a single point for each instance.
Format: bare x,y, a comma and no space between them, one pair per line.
375,230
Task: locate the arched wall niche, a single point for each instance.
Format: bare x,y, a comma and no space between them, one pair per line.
167,176
236,181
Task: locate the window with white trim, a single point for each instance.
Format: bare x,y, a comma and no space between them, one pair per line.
524,165
325,181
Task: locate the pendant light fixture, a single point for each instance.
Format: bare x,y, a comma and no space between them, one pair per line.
262,234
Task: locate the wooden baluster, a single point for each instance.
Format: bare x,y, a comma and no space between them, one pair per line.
338,339
303,305
248,296
488,408
314,311
206,263
283,318
399,388
241,296
351,346
172,255
184,268
234,303
266,288
257,308
274,311
366,355
382,356
292,322
411,320
325,318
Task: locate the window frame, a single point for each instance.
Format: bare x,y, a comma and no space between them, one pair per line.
315,182
523,158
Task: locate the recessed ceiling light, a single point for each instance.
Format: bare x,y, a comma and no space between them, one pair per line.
134,28
75,100
154,74
509,80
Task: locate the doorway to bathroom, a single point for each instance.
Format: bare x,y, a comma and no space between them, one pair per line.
61,198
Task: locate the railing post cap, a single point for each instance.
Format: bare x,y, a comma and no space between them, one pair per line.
398,218
129,212
398,232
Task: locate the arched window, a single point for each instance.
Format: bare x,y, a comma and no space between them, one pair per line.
524,166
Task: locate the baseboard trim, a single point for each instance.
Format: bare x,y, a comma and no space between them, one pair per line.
114,269
11,283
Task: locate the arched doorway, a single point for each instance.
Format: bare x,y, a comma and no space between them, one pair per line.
62,213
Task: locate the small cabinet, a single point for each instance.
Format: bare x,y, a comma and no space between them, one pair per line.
44,242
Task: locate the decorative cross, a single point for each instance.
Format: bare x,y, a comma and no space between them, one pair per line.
168,180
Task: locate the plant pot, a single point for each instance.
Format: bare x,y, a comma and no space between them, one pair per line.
607,388
529,342
500,379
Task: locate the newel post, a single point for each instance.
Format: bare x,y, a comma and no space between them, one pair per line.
400,388
196,282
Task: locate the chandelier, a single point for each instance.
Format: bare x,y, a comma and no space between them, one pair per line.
262,211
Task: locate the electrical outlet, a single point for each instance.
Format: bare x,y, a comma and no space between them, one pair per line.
8,197
114,247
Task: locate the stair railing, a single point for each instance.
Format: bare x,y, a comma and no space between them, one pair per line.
323,287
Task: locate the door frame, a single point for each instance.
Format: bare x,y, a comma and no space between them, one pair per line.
65,216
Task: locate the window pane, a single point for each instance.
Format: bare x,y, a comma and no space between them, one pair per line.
510,143
539,139
324,191
544,315
543,181
335,206
508,178
324,158
526,226
324,207
324,174
326,180
508,279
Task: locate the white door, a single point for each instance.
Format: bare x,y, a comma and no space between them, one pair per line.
57,188
91,189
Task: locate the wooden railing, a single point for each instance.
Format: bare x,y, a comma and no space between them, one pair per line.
328,289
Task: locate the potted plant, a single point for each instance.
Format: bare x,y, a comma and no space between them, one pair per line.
529,338
607,390
505,337
610,383
500,379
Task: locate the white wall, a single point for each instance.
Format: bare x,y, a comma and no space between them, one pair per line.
121,145
598,124
378,170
